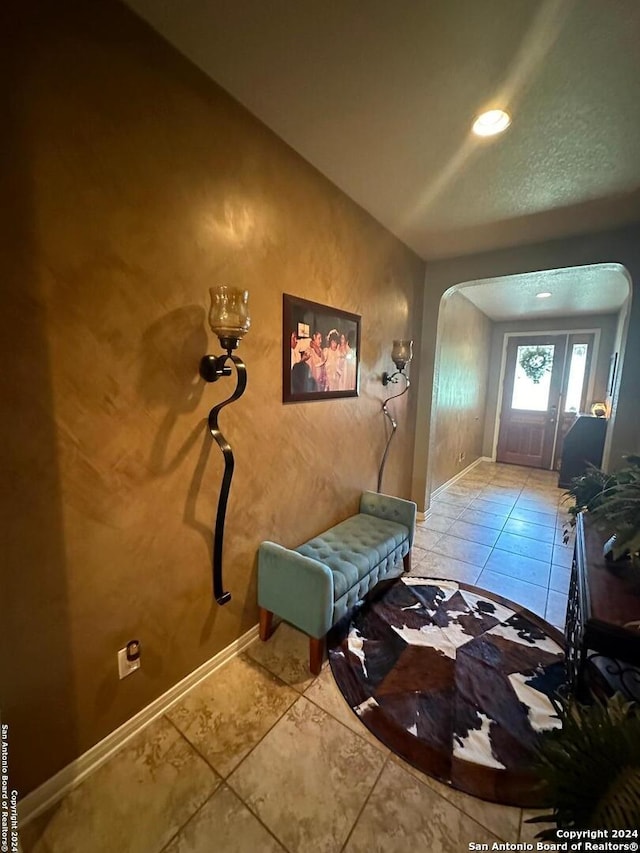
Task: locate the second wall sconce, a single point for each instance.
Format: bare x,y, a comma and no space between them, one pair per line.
401,355
229,319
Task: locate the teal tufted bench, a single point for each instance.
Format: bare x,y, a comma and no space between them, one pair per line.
313,586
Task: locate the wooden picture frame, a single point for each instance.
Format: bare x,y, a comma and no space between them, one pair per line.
320,351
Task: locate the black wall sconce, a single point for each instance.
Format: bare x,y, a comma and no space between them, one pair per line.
401,355
229,319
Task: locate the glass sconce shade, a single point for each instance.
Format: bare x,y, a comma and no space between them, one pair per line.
229,314
599,410
402,353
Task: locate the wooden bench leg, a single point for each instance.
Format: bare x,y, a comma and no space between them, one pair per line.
266,623
406,561
316,653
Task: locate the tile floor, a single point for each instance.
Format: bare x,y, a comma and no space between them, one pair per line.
262,757
500,527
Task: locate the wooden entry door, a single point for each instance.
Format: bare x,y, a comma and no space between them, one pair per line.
529,407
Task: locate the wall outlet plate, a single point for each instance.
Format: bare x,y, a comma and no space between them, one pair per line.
126,667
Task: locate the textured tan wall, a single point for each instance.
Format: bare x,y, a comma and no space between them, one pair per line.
461,379
134,184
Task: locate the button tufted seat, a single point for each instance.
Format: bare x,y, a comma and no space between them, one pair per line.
313,586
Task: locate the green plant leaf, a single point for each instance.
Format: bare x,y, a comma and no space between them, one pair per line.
590,768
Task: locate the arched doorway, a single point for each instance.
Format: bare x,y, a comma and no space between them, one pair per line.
479,324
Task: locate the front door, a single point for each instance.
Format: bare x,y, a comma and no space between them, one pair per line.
530,401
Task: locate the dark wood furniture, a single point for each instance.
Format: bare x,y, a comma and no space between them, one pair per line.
582,445
603,620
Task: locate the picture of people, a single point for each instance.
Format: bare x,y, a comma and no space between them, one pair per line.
320,352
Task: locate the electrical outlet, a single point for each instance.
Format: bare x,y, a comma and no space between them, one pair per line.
126,666
461,456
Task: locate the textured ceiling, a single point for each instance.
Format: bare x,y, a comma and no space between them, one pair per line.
597,289
380,95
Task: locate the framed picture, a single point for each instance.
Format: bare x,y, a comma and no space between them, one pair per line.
320,351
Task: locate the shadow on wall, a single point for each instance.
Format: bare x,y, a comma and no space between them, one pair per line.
37,692
171,351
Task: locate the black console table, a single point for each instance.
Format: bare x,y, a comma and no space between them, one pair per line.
603,620
583,445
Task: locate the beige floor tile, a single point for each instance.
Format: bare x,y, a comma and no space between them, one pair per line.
226,825
512,484
532,597
444,509
491,507
546,519
540,503
484,519
462,549
437,523
426,539
285,654
525,546
418,554
519,566
507,486
225,716
464,490
475,485
438,566
418,819
560,579
473,532
325,692
498,496
460,501
529,530
503,821
308,779
562,556
136,802
556,610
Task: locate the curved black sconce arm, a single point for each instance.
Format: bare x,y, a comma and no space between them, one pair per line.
211,369
386,379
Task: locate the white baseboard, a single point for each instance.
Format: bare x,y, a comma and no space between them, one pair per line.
59,785
440,489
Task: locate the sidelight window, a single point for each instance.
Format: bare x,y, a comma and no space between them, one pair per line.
577,371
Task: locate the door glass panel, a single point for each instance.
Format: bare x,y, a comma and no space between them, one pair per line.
532,382
576,377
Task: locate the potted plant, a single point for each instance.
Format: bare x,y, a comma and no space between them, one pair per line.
590,768
613,502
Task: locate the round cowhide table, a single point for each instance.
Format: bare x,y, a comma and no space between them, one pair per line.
455,680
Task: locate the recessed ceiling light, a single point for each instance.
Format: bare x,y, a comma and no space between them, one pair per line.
491,122
544,295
